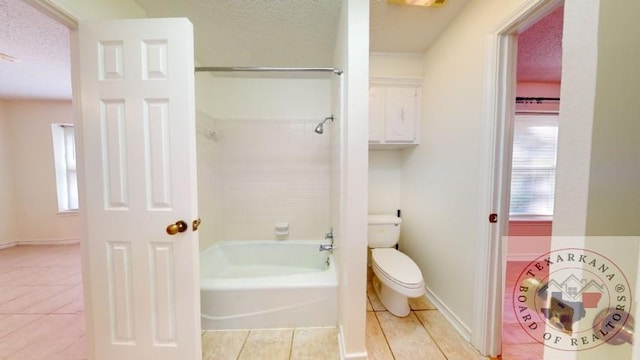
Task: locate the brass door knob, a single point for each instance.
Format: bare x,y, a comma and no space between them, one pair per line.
179,226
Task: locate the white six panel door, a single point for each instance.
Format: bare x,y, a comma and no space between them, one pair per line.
138,146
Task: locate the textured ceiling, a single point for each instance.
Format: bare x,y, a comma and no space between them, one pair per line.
297,33
253,33
540,49
257,33
42,47
408,29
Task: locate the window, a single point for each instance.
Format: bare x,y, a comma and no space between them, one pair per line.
64,153
533,174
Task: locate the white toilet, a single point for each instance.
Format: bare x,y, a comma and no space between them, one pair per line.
397,278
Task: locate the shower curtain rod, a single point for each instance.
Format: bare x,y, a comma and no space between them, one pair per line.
233,68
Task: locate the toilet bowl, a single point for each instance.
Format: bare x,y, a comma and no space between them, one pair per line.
397,278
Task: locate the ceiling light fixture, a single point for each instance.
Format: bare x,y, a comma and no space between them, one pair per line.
8,58
428,3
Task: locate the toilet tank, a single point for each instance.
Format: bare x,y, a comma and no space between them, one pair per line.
384,231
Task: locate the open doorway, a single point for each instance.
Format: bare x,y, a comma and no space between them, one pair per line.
40,272
535,134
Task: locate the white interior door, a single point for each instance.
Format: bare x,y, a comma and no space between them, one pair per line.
138,148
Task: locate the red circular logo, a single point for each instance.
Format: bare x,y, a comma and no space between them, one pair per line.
572,300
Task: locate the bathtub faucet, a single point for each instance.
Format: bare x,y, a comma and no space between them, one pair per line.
328,236
326,247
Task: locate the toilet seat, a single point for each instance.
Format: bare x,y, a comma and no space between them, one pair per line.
397,271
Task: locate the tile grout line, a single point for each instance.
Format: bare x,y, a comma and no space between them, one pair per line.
42,301
293,334
27,323
384,334
243,344
18,296
431,336
67,277
71,344
26,264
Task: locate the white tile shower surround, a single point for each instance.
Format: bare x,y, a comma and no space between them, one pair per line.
42,317
267,171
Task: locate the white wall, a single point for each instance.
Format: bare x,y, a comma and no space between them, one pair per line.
265,164
36,208
396,65
575,125
351,54
8,231
614,179
385,181
263,98
440,192
596,186
385,166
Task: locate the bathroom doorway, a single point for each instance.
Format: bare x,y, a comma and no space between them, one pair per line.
500,116
532,185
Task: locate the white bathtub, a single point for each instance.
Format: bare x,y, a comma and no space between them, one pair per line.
267,284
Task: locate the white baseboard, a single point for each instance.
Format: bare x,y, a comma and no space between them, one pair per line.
68,241
345,356
8,245
449,315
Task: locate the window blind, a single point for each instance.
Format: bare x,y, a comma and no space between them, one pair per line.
534,165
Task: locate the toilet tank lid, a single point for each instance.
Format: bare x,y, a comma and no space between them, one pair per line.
384,219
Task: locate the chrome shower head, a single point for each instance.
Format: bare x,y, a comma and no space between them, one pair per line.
320,127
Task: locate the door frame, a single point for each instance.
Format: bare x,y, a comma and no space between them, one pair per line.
55,12
58,14
497,134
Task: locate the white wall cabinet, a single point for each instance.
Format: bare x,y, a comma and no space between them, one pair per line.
394,116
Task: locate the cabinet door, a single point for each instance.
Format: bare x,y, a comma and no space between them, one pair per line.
376,113
400,114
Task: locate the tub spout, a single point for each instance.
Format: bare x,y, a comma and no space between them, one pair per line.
326,247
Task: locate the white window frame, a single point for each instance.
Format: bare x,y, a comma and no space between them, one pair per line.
546,120
64,154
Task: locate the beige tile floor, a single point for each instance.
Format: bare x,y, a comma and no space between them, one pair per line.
41,306
272,344
424,334
42,317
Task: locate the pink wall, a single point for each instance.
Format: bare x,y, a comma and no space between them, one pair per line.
528,240
538,89
530,228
